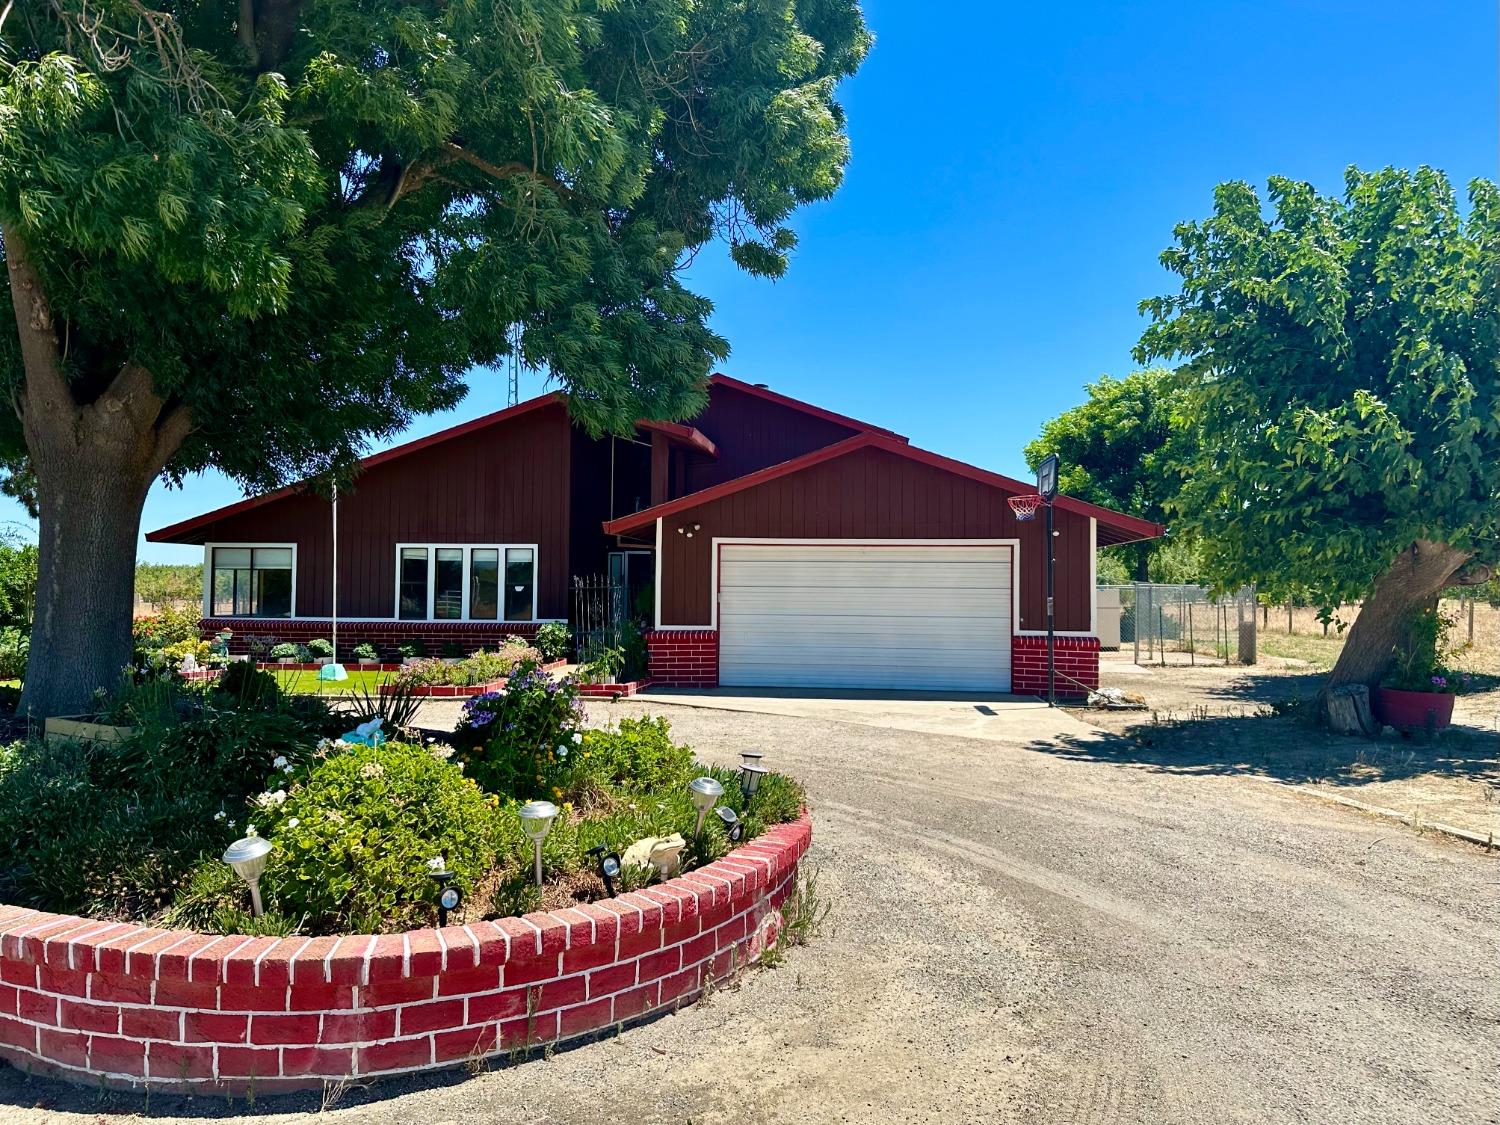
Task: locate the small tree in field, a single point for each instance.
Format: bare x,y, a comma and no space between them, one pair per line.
1342,362
254,234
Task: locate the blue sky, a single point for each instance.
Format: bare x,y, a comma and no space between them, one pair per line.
1016,171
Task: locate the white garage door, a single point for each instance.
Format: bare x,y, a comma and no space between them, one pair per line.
865,616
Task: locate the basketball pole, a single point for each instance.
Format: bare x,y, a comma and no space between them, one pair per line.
1051,653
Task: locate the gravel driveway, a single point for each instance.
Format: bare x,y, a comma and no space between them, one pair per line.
1021,936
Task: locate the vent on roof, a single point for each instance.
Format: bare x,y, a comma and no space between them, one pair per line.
763,386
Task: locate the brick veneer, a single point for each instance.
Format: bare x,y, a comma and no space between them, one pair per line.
1077,659
384,635
683,657
129,1006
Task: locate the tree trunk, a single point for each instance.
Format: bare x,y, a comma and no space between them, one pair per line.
1416,577
94,463
1143,562
80,636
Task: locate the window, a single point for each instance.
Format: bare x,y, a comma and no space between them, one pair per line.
249,581
412,579
519,574
465,583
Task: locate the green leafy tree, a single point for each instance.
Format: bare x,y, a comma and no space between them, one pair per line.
1123,449
256,234
1342,362
167,584
18,561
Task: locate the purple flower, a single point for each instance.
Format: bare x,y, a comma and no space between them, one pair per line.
1439,681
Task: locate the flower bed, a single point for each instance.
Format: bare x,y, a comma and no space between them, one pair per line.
610,691
130,1006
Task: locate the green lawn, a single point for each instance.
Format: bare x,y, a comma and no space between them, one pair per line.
307,683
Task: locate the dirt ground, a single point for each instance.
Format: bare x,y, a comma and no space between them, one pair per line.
1256,722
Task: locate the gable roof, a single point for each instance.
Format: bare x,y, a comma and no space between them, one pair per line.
1114,527
719,380
688,435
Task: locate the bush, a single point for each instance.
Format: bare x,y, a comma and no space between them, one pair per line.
480,668
365,651
15,647
352,836
284,651
71,844
169,627
244,685
554,640
320,646
638,755
509,740
411,649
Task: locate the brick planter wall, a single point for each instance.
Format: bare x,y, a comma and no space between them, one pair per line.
384,635
1077,658
131,1007
683,657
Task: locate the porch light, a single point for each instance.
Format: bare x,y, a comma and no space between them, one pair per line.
248,856
750,777
732,826
705,792
536,822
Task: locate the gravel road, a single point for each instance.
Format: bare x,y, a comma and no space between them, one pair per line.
1020,936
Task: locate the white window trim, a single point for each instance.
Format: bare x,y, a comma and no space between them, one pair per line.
208,580
467,549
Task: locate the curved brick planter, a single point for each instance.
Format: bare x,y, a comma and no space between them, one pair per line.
132,1007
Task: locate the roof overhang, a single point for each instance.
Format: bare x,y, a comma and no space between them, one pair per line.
758,391
1113,527
679,434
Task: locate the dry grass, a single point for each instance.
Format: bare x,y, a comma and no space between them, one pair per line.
1307,641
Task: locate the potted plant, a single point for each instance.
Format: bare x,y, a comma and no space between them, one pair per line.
1418,693
453,652
411,650
366,654
284,653
321,650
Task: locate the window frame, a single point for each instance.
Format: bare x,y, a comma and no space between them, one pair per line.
466,582
208,579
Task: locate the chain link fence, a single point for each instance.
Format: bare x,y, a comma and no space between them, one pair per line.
1158,623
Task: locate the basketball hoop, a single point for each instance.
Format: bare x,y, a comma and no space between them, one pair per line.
1024,507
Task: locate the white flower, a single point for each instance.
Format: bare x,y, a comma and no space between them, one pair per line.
562,751
249,829
436,863
286,769
279,761
577,738
293,822
220,815
279,797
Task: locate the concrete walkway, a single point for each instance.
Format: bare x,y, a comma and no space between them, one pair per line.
1017,719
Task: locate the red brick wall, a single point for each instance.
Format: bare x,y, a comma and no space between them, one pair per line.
127,1006
384,635
1076,659
683,657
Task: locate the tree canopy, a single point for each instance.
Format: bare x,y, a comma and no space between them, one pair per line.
256,234
1123,448
1340,359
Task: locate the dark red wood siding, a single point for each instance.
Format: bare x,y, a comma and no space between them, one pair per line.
751,433
871,494
503,484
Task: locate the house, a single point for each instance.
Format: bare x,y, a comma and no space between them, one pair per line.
769,542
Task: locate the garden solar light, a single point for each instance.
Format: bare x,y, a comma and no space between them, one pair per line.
706,792
750,757
609,867
536,822
248,857
732,826
750,775
448,897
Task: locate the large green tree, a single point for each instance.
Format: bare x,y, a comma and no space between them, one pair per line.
256,234
1123,448
1342,362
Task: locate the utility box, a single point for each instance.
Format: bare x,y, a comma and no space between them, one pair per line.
1107,616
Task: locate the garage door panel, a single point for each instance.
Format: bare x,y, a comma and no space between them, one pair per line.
881,617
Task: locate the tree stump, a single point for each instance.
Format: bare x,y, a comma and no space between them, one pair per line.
1346,710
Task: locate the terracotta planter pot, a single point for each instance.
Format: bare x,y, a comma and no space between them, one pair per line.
1409,710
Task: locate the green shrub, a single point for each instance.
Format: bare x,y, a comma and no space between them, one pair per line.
226,754
320,646
71,844
516,741
479,668
284,651
365,651
637,755
554,640
15,647
353,834
243,685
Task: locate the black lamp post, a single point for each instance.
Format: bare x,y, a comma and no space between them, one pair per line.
449,898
